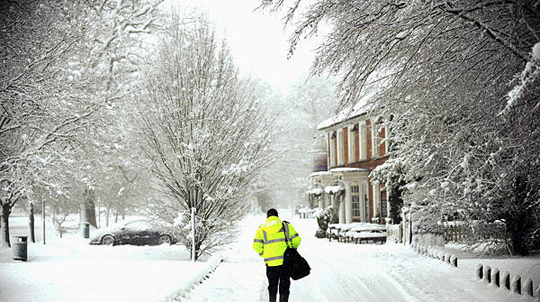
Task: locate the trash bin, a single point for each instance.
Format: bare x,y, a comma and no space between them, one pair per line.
86,230
20,248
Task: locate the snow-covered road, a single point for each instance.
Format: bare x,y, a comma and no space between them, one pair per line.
70,270
346,272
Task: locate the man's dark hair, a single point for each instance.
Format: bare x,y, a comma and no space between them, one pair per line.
271,212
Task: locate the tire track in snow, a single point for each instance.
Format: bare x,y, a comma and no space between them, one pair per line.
340,280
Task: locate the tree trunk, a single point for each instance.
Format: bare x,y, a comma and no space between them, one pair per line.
108,214
88,208
197,250
519,224
4,225
31,223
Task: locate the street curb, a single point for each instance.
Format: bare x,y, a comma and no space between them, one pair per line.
503,280
436,254
182,293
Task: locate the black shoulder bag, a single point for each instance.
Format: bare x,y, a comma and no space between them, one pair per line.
296,264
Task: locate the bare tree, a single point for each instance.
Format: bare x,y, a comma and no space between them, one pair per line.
205,133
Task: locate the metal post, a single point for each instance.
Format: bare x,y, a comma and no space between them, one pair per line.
193,211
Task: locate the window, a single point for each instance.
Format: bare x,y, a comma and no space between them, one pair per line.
340,147
365,200
375,140
387,141
333,149
352,143
384,203
376,199
355,197
363,140
346,137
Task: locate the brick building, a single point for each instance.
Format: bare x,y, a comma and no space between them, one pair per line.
355,145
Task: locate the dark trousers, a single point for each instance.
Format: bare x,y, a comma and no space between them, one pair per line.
278,276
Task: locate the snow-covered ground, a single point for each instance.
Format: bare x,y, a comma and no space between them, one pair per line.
69,269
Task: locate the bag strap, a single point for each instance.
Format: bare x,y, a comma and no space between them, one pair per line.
286,231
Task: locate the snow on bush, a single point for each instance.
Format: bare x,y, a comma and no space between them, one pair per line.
536,51
528,75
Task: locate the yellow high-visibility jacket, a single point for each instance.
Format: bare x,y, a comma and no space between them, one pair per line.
270,243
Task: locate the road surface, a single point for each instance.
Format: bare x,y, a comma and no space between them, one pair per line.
345,272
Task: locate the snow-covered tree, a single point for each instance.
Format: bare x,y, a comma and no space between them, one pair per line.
446,71
205,133
105,66
65,65
35,115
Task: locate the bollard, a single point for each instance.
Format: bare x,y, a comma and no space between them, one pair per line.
487,273
496,277
506,280
480,271
454,260
516,284
86,230
528,288
20,248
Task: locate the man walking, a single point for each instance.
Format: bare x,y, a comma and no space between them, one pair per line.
270,244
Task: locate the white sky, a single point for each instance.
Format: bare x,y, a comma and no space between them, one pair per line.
257,39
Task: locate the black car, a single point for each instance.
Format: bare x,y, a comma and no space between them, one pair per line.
136,232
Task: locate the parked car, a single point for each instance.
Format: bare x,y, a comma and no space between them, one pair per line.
136,232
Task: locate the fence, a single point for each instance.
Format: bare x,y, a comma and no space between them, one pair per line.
394,233
456,233
461,231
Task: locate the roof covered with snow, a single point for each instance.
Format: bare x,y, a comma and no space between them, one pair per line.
362,107
344,170
320,173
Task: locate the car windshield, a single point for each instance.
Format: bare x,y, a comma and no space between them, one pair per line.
138,225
